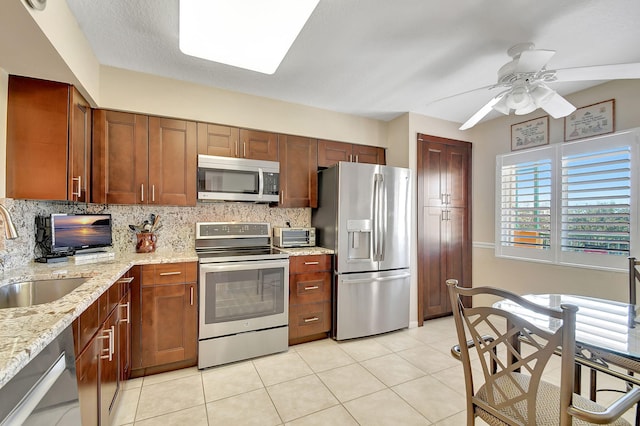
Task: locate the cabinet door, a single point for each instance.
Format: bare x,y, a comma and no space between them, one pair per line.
433,263
432,168
87,375
37,140
172,162
79,148
298,172
108,372
330,152
136,316
169,316
214,139
458,160
124,336
120,158
368,154
258,145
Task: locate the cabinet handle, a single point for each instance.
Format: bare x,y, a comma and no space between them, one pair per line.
164,274
311,263
109,336
128,307
153,193
282,196
191,295
350,158
311,319
313,287
356,158
142,192
244,150
77,194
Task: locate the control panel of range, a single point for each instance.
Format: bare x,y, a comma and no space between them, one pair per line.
227,230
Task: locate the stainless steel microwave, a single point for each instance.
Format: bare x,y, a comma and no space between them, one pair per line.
237,179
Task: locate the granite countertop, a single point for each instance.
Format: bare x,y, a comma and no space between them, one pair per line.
25,331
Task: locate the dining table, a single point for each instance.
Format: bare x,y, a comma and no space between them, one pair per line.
607,332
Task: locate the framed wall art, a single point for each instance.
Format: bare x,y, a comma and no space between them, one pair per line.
530,133
591,120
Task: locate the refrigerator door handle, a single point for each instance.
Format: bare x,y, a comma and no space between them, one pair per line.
378,279
377,217
383,217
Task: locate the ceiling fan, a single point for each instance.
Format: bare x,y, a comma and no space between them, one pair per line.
525,79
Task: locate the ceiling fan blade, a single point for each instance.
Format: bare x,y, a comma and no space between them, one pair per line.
599,72
557,106
475,118
490,86
534,60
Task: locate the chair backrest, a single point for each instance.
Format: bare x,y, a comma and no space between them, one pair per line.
497,336
634,275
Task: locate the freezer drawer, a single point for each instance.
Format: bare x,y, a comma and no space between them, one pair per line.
370,303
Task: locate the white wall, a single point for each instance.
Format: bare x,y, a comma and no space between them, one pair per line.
493,138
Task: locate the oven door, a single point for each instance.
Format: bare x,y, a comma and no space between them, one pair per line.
243,296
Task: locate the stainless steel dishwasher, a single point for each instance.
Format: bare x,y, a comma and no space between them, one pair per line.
45,391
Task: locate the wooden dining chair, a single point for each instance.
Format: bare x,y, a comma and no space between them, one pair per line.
510,390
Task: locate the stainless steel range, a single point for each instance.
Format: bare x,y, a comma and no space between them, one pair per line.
244,293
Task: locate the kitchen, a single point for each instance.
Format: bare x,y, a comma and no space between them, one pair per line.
125,90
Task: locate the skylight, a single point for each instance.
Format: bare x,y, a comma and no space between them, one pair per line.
250,34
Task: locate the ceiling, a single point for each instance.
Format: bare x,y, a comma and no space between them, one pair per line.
379,58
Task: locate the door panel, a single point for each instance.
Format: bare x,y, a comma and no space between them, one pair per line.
395,218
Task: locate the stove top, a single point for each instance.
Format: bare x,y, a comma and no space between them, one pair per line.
234,242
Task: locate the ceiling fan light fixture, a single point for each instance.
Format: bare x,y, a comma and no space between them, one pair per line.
518,98
249,34
526,109
541,94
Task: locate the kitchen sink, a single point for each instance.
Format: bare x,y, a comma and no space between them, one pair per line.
36,292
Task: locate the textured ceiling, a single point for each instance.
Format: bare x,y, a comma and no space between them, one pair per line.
379,58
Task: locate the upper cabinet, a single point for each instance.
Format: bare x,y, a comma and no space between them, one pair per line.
143,160
331,152
298,171
48,141
214,139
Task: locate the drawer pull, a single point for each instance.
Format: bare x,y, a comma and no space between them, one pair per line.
164,274
311,263
313,287
306,320
125,280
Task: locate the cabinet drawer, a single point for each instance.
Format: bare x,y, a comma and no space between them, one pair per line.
311,263
306,320
87,325
169,273
310,288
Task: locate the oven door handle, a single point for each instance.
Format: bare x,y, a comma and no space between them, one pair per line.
39,390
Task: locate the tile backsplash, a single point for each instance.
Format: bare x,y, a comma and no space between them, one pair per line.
177,231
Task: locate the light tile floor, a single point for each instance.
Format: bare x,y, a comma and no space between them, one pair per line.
402,378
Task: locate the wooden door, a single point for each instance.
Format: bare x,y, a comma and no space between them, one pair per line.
169,320
214,139
120,158
331,152
87,376
108,372
258,145
172,162
37,140
444,221
298,171
79,148
368,154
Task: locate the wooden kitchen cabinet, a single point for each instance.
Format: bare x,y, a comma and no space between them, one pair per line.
48,141
100,334
143,160
298,171
331,152
214,139
444,221
258,145
309,297
164,315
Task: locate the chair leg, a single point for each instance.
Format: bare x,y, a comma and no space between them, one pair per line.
594,384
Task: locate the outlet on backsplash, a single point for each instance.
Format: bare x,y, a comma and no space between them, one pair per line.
177,231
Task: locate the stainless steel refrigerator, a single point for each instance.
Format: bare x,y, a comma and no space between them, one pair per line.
363,215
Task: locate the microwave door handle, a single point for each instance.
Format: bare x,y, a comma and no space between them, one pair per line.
260,183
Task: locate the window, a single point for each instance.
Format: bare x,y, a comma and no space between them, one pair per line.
570,203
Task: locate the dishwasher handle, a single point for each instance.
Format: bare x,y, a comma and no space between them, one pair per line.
39,390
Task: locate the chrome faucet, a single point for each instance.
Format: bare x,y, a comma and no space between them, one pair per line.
9,228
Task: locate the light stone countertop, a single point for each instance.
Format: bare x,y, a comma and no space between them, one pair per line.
25,331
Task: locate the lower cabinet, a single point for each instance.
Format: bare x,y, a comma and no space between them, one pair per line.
101,352
165,313
309,297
